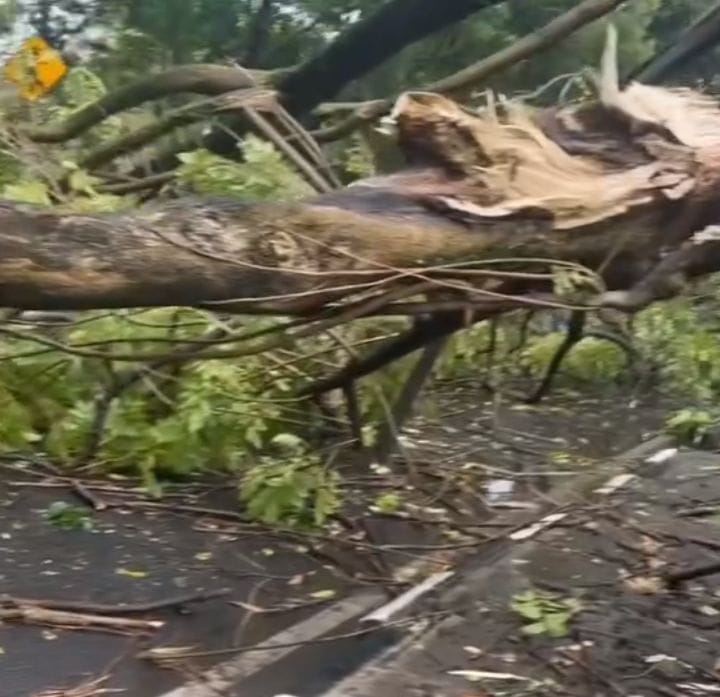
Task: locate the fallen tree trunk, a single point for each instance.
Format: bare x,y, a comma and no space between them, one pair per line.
493,203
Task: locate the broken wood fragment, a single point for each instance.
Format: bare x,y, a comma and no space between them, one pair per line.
32,614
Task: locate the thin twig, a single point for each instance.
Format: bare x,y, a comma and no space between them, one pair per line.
110,609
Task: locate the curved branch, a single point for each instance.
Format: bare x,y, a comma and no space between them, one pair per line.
152,182
235,101
530,45
573,336
209,80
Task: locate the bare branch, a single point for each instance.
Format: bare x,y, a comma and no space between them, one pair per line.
197,79
528,46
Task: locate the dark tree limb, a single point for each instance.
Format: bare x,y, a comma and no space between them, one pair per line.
419,335
669,277
573,336
364,47
259,33
354,414
701,36
369,43
387,440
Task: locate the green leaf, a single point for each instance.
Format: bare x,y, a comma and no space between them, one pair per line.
388,503
67,517
80,181
326,594
28,191
556,624
287,440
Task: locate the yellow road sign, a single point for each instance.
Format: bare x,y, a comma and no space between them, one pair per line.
36,69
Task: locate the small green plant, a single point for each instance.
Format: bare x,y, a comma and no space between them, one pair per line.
388,503
690,426
63,515
545,613
292,487
467,351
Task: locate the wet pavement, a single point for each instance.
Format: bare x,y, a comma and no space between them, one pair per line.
130,557
195,540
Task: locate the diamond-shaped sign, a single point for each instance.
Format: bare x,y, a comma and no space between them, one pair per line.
37,69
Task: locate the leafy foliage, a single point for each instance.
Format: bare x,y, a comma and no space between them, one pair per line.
389,502
593,361
294,489
691,426
262,175
545,613
684,345
67,517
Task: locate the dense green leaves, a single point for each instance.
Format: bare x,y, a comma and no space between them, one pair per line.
263,174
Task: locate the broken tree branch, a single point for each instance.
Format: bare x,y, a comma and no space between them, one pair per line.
33,614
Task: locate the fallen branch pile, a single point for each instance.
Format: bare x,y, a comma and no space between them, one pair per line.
609,203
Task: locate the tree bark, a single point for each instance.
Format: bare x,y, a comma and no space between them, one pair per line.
270,258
